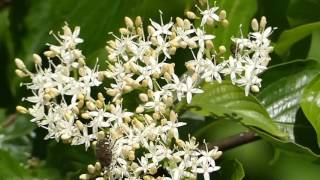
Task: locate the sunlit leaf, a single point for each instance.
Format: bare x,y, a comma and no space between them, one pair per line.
227,99
282,90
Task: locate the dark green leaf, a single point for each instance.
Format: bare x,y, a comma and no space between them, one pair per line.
314,52
230,170
303,11
310,104
225,98
291,36
282,90
15,134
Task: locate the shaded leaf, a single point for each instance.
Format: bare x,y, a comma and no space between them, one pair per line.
291,36
15,137
224,98
230,170
314,52
310,104
303,11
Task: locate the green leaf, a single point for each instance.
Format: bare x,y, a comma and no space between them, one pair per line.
69,160
282,90
291,36
310,104
224,98
238,13
303,11
314,52
15,137
230,170
11,168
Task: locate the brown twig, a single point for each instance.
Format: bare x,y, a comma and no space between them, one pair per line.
234,141
10,120
4,3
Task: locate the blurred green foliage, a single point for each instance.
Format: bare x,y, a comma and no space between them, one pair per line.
288,103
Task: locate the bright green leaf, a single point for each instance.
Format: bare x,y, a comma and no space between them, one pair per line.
225,98
291,36
238,13
310,104
282,90
11,168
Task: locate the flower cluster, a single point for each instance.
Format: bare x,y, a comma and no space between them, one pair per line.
144,140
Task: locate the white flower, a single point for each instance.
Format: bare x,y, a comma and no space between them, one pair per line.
85,138
99,120
189,89
212,71
161,28
209,13
233,68
157,103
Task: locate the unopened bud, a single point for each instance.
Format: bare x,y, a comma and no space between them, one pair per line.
124,31
179,22
222,49
191,15
255,88
84,177
20,73
128,21
138,21
263,22
37,59
91,169
139,109
19,63
222,14
254,25
225,23
143,97
85,116
79,125
21,109
131,155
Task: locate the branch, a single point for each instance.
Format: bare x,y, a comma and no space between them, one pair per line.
9,121
234,141
4,3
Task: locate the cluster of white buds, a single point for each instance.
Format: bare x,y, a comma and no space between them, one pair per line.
142,142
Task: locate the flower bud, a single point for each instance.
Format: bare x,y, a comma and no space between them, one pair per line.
21,109
222,14
91,169
263,22
37,59
20,73
138,21
128,21
20,64
254,25
190,15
